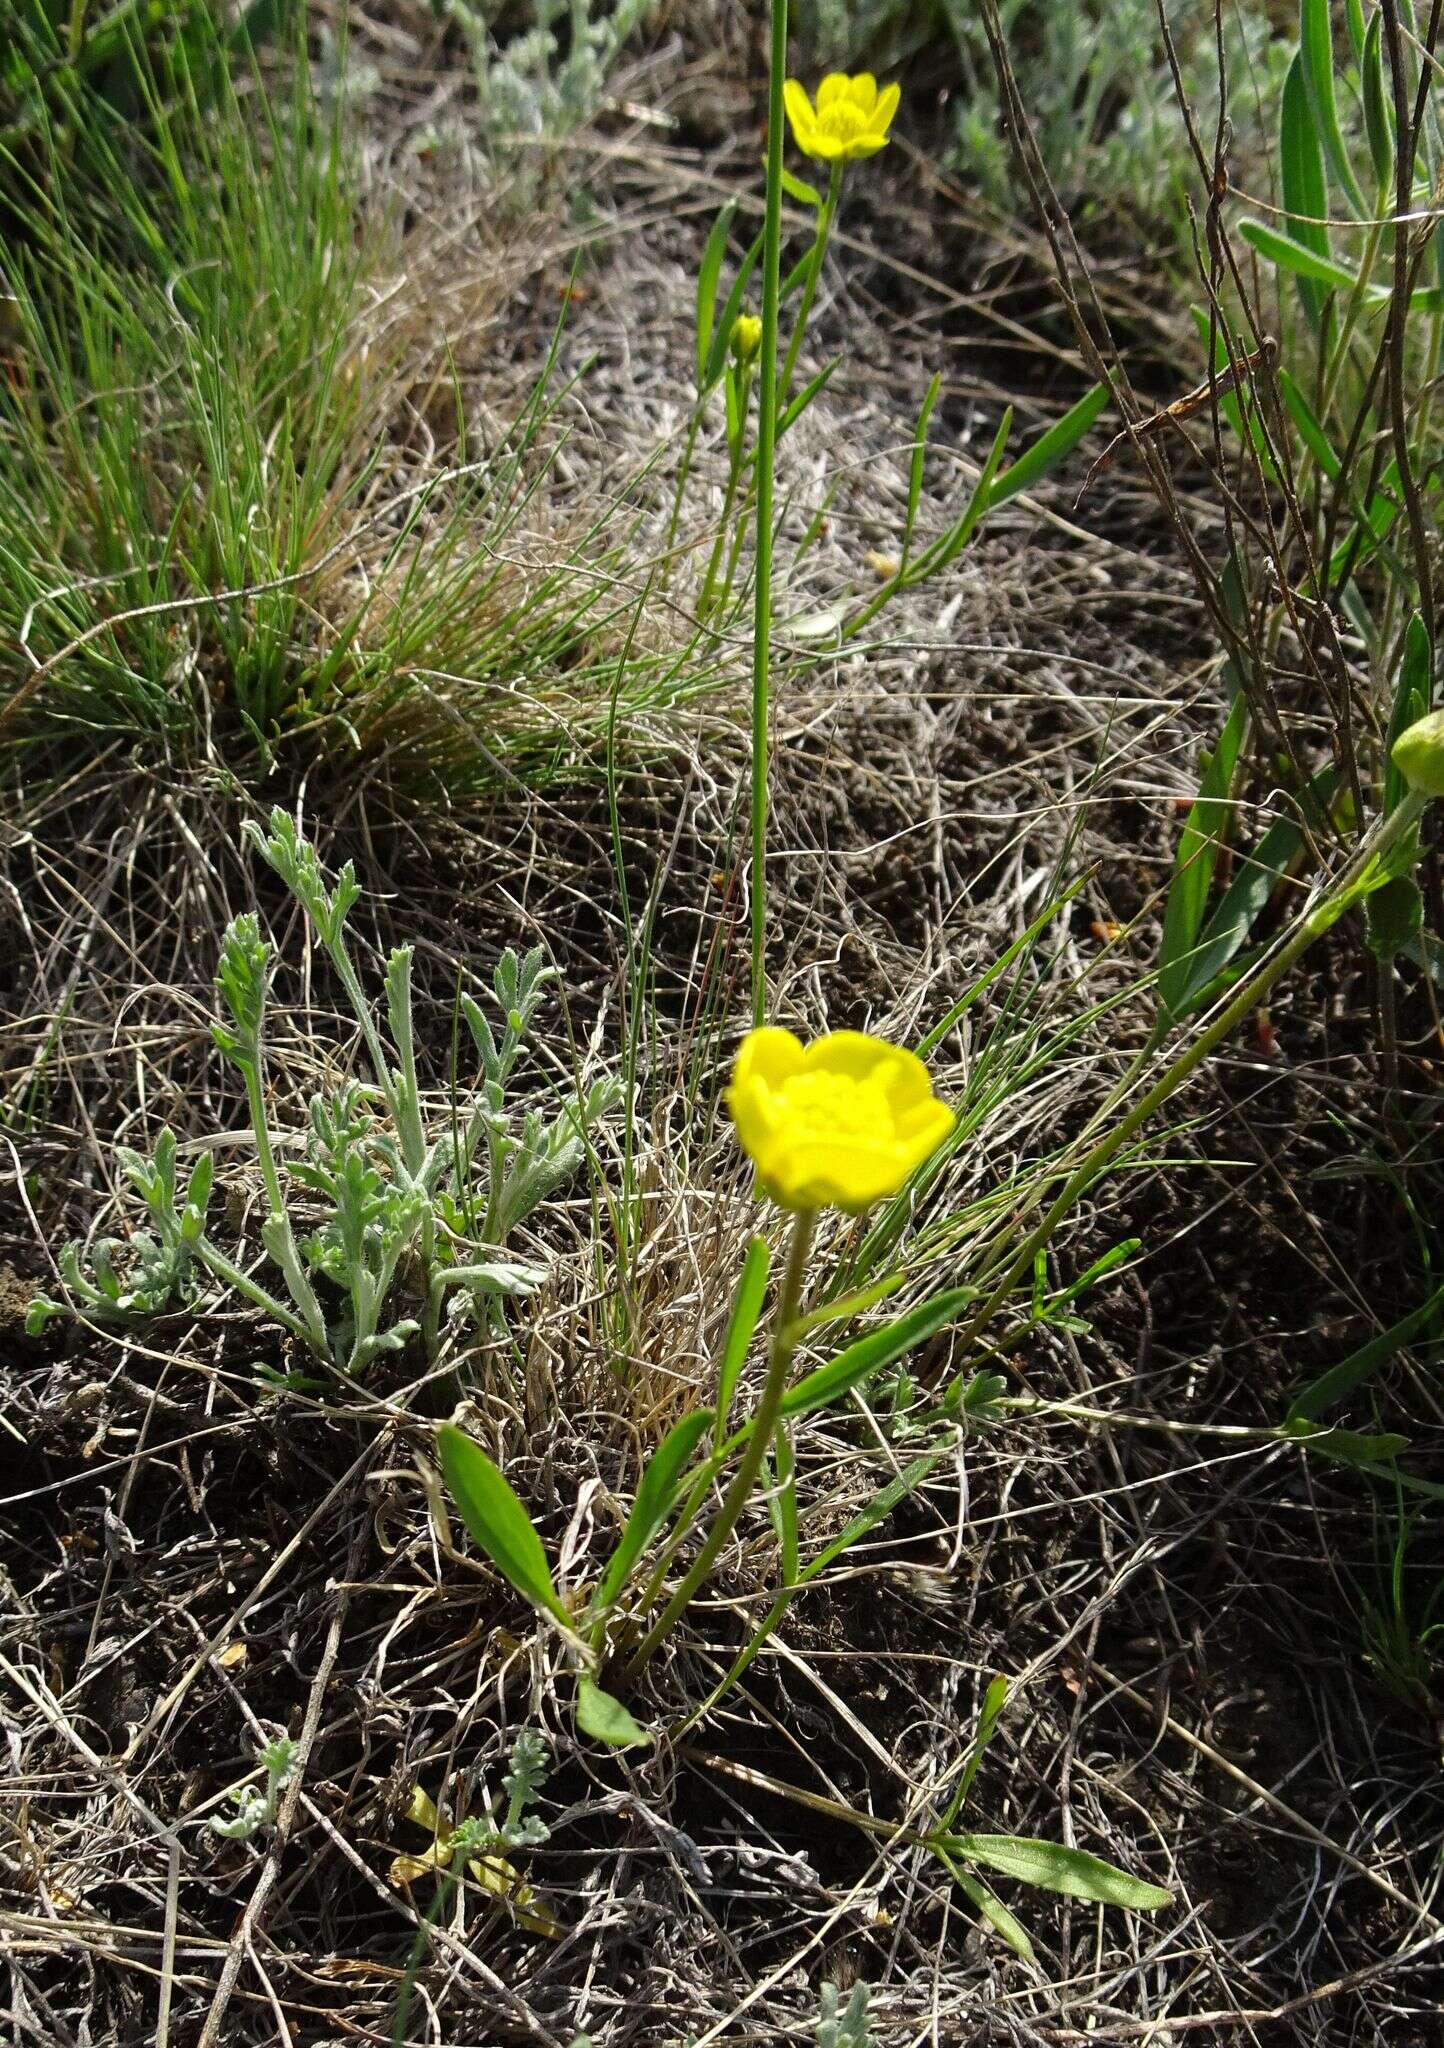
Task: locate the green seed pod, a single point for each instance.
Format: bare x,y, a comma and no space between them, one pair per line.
1419,754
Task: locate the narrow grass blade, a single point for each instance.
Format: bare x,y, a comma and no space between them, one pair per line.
1378,113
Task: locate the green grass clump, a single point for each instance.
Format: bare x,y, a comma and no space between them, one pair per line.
218,544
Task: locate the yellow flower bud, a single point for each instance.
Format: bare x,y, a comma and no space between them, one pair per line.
1419,754
746,337
837,1124
851,118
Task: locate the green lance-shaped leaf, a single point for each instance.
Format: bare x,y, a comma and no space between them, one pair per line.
742,1325
498,1522
656,1493
1305,187
605,1719
716,359
1316,53
993,1910
1052,1867
1193,869
709,272
1049,449
879,1348
1378,113
1294,255
1350,1373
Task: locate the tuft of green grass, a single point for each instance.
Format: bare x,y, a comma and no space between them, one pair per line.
217,544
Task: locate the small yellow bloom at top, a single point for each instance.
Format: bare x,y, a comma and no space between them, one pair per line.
851,118
746,337
838,1124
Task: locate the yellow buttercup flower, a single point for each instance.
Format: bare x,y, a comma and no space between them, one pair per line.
838,1124
851,118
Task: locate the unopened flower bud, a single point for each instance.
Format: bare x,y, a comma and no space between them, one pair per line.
1419,754
746,337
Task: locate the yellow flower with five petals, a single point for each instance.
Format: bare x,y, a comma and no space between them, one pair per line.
837,1124
851,118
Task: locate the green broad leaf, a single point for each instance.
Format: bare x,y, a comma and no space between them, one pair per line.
980,1395
879,1348
1378,113
1305,187
606,1720
1305,262
1411,701
1052,1867
1049,449
656,1494
798,189
709,273
741,1326
498,1522
993,1911
1193,868
1393,918
1316,55
1347,1446
1350,1373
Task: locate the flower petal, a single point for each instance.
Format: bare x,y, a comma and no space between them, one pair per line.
863,92
800,114
768,1054
882,113
836,86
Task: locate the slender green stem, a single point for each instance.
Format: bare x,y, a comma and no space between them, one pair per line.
825,218
724,528
1310,924
764,1422
766,460
231,1274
